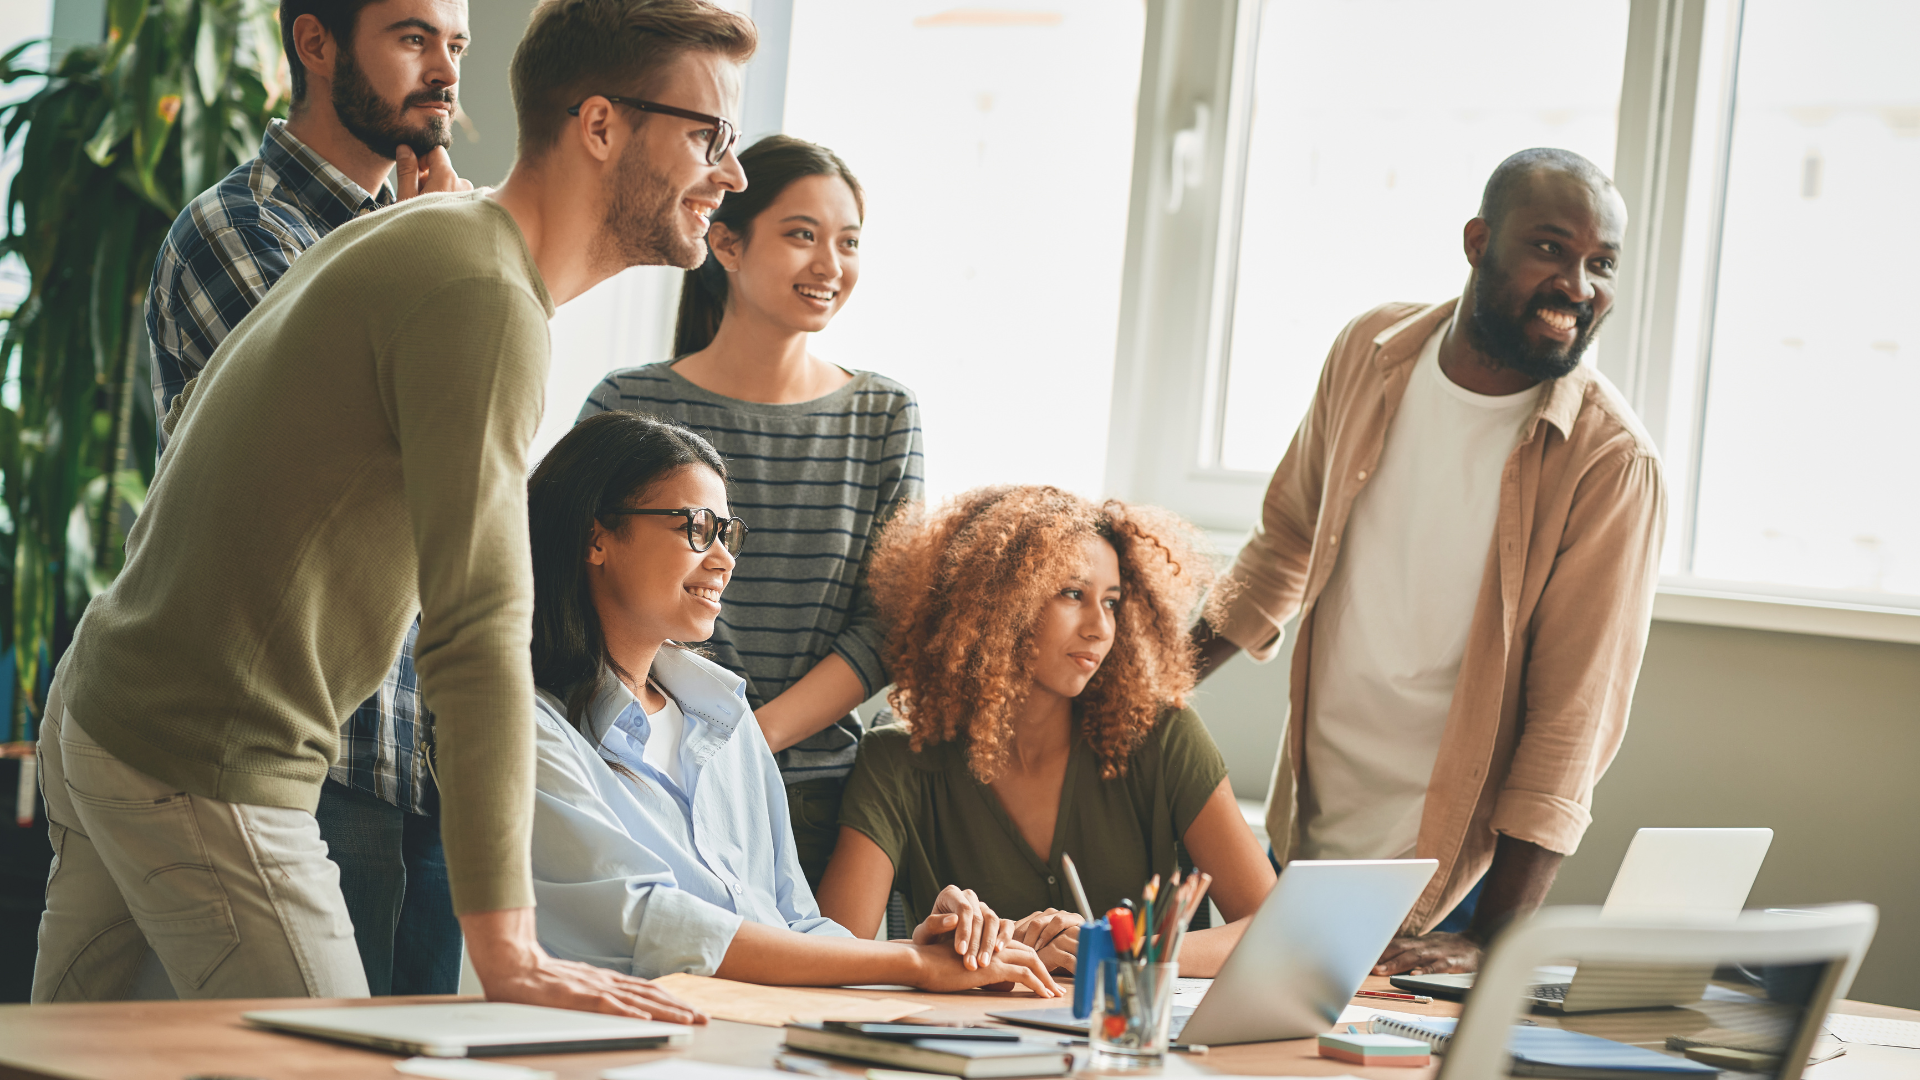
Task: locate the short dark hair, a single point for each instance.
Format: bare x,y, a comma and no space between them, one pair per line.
338,16
605,462
576,48
771,166
1507,181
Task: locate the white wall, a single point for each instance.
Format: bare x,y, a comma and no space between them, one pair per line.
1817,738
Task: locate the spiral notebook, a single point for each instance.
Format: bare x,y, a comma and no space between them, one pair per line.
1553,1052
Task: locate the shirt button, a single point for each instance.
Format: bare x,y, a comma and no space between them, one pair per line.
1050,879
1363,474
1335,541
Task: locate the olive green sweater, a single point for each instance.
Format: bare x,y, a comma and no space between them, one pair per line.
354,452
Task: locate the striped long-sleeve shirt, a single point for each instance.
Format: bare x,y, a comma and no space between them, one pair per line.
814,482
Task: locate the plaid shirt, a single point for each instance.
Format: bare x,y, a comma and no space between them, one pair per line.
225,250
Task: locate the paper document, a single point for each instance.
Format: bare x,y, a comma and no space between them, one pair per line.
467,1069
1189,991
684,1069
1874,1030
778,1006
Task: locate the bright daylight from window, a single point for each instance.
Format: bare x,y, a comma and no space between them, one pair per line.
1370,142
1810,471
996,217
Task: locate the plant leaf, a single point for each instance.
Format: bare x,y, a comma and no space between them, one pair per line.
124,19
213,50
113,127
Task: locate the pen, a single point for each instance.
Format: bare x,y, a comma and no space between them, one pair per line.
1417,999
1073,882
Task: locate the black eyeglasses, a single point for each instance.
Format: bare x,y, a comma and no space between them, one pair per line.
719,141
703,527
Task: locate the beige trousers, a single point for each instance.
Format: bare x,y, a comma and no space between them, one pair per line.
237,901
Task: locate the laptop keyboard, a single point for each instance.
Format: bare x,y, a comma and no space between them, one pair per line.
1548,992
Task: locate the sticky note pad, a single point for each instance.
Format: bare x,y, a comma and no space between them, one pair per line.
1375,1049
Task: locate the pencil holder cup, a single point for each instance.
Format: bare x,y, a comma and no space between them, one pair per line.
1132,1004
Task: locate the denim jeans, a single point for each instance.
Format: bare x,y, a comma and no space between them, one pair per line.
1461,917
394,877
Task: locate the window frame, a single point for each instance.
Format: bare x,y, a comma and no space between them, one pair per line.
1176,324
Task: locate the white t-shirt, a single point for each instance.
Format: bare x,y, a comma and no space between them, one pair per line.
667,729
1391,627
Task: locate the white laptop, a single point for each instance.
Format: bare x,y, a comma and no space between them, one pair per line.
1306,951
458,1029
1667,874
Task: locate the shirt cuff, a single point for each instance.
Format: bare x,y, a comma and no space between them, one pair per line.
1549,821
1249,628
822,926
863,657
682,933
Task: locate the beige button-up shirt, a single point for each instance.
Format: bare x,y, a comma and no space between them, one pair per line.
1559,626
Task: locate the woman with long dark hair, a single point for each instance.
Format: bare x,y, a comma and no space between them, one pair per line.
821,457
660,839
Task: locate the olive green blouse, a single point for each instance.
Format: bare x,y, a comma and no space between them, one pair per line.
940,826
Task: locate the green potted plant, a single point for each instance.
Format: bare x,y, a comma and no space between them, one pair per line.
112,146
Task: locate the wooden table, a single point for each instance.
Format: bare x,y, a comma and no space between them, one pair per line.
173,1040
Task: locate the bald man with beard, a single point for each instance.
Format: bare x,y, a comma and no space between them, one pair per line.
1468,524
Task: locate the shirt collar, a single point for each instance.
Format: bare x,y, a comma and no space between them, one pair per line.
322,190
704,691
1401,343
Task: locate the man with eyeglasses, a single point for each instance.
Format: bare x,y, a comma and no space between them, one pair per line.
355,452
1468,523
373,86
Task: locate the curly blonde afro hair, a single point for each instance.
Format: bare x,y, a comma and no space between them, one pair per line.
960,590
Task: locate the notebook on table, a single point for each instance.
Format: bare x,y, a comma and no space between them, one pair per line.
970,1058
1553,1052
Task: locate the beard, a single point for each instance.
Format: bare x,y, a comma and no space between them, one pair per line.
640,227
1504,338
378,124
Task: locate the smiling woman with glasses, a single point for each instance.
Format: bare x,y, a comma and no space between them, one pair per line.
703,526
660,838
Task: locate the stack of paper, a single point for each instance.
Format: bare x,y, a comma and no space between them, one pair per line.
1874,1030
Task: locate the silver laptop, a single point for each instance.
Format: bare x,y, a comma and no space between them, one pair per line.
487,1028
1667,874
1305,952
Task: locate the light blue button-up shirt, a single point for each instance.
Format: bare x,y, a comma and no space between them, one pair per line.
650,877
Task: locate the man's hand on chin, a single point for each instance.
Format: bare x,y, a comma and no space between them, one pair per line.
1437,953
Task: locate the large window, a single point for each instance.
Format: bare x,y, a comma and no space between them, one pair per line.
1374,125
1109,243
1808,474
1769,152
995,145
